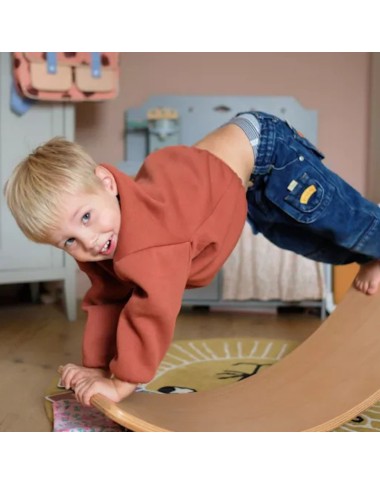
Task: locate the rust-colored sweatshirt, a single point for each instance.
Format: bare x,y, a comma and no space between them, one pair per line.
180,219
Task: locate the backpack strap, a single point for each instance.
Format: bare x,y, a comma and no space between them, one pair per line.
96,66
51,60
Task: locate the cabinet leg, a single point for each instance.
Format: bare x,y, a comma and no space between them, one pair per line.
69,289
34,291
202,308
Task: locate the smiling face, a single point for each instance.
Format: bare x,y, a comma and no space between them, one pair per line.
89,223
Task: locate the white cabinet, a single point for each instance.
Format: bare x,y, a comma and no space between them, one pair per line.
23,261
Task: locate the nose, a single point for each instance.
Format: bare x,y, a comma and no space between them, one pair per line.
90,241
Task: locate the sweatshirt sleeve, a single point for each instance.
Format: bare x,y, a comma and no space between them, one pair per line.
103,304
146,324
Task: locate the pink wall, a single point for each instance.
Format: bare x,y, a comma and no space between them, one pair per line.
334,84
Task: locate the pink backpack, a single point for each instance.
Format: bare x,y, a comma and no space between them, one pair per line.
67,76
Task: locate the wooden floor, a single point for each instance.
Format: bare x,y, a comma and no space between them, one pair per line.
35,339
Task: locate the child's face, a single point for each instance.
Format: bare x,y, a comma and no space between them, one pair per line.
90,222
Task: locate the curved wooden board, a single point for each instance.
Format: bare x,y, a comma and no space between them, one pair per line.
329,379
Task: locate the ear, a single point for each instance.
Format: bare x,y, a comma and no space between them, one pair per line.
107,179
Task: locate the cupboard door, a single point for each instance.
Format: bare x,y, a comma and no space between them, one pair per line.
19,135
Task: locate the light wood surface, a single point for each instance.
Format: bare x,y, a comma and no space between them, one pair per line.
35,339
329,379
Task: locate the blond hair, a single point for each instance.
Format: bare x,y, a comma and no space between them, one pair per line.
35,190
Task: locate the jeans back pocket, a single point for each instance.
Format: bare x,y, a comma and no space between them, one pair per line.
300,191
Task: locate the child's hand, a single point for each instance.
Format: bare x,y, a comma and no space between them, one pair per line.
114,389
71,374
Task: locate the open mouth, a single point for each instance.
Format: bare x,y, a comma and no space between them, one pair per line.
107,247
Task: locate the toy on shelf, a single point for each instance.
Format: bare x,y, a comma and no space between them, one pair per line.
161,126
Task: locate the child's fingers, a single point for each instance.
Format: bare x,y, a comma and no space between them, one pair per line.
68,373
64,368
81,392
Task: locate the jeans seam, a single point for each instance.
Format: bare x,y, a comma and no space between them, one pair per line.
348,202
359,245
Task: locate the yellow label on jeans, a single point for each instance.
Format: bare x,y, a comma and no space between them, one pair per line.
307,193
293,184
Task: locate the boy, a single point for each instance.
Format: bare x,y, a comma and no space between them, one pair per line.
143,241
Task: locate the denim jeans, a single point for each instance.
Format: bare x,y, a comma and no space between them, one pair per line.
300,205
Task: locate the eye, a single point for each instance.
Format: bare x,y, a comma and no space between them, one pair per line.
86,218
69,242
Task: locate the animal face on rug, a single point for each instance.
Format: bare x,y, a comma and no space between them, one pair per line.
175,390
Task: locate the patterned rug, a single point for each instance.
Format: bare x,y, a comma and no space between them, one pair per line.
197,365
191,366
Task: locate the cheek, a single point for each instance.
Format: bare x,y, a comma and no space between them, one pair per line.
114,217
75,252
71,253
117,224
81,257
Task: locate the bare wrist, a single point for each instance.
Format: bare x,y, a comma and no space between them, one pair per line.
123,388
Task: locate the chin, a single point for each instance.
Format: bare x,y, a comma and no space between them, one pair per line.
99,258
95,259
105,258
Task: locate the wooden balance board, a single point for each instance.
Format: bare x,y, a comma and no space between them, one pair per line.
329,379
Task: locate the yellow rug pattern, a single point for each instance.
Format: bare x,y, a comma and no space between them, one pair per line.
196,365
